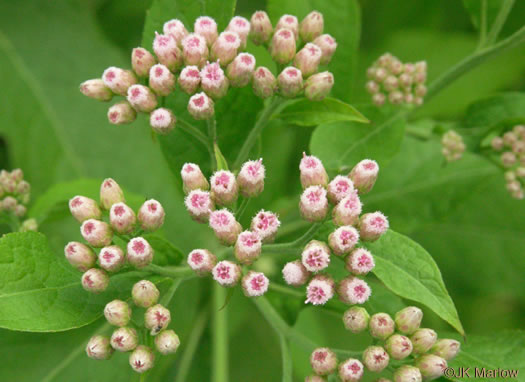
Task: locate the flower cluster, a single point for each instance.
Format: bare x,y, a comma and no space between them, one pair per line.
126,339
397,338
342,192
206,63
452,146
512,143
397,82
222,191
15,194
123,223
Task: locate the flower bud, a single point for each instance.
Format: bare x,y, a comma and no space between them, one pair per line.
20,210
265,224
318,86
289,22
423,340
162,121
408,319
199,205
96,233
121,113
391,83
80,256
151,215
396,97
497,143
213,80
118,80
167,51
339,188
241,26
295,273
142,61
247,247
343,239
224,189
224,49
23,187
315,256
175,28
319,290
161,80
29,225
167,342
364,175
225,226
17,174
356,319
283,46
95,280
207,28
360,262
328,46
323,361
379,99
194,50
260,28
398,346
110,193
351,370
519,130
314,204
375,358
314,378
122,218
9,204
117,312
251,178
514,187
446,348
347,211
307,60
508,159
145,294
264,83
124,339
139,252
81,208
372,226
99,348
156,318
254,284
142,359
518,147
381,326
240,70
96,89
201,261
407,373
111,258
353,290
290,82
193,178
226,273
312,26
200,106
142,98
312,171
509,138
190,79
431,366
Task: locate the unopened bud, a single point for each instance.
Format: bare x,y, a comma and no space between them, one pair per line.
423,340
312,26
312,171
201,261
156,318
339,188
360,262
213,80
264,83
142,359
375,358
295,273
95,280
318,86
96,89
167,51
431,366
323,361
142,98
372,226
111,258
199,205
226,273
283,46
117,312
347,211
80,256
96,232
364,175
314,204
343,239
81,208
409,319
110,193
356,319
142,61
124,339
121,113
167,342
23,187
509,138
508,159
255,284
29,225
265,224
151,215
162,121
9,204
351,370
247,247
161,80
260,28
241,26
251,178
99,348
379,99
240,70
518,147
381,326
122,218
224,189
407,373
328,46
446,348
144,294
193,178
139,252
207,28
353,290
319,290
405,80
398,346
510,176
307,60
20,210
118,80
190,79
290,82
315,256
175,28
225,48
396,97
194,50
391,83
225,226
513,187
200,106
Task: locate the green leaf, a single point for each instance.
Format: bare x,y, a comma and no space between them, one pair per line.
409,271
341,145
309,113
506,108
222,164
170,254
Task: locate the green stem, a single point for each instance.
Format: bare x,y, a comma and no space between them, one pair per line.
193,131
191,345
166,298
242,208
285,247
220,336
483,24
501,17
256,131
170,271
212,137
286,357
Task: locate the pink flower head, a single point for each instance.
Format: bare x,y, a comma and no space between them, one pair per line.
83,208
200,106
319,290
373,225
175,28
353,290
161,80
364,175
314,203
311,26
193,178
206,27
95,280
315,256
162,120
241,26
251,178
343,239
240,70
351,370
225,48
264,83
295,273
157,318
283,46
142,359
118,80
194,49
96,232
328,46
80,256
122,218
224,187
360,262
261,27
190,79
248,247
312,171
201,261
290,82
226,273
348,210
339,188
265,224
323,361
199,205
167,51
111,258
222,220
255,284
142,98
151,215
307,60
289,22
139,252
213,80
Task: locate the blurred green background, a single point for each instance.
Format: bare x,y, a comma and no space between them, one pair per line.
460,213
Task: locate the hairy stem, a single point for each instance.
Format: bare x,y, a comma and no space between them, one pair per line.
220,336
286,358
501,17
170,271
212,137
191,346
